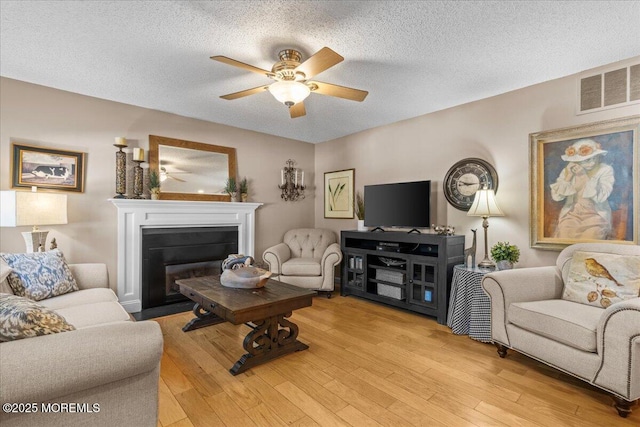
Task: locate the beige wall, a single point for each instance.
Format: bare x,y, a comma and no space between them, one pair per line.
495,129
48,117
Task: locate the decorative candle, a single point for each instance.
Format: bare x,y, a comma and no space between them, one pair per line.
281,176
138,154
302,181
121,140
295,173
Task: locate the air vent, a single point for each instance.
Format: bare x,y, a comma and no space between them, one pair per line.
610,89
634,86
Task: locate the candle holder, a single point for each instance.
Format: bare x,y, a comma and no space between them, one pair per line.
137,180
121,172
291,190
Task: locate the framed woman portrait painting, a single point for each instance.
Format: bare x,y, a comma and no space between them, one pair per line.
584,184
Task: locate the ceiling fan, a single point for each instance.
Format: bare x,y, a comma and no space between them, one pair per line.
292,78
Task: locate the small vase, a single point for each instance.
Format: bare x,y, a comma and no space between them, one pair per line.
155,195
504,265
244,197
361,226
234,196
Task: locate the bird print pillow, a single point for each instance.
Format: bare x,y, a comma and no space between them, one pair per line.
601,279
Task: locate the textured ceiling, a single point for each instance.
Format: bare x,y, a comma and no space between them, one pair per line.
414,57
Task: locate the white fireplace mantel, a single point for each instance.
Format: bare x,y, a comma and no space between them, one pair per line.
136,214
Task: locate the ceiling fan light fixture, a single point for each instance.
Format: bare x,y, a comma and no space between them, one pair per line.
289,92
293,82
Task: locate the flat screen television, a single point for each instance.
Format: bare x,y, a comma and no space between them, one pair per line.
405,204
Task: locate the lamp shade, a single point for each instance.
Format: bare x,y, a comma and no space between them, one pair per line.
19,208
289,92
485,204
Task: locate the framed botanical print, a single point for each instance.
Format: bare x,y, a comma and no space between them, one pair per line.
338,194
47,168
584,184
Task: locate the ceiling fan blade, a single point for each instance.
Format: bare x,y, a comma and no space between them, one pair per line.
244,93
323,59
338,91
297,110
242,65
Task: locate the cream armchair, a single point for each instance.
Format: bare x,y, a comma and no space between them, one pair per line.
306,258
597,345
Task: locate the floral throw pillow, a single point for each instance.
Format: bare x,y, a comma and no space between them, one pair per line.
39,275
601,279
23,318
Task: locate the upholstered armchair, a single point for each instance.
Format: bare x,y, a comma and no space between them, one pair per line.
532,313
306,257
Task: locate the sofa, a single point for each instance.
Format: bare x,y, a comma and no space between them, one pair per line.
307,258
103,373
595,336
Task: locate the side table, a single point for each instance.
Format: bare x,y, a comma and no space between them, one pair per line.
469,306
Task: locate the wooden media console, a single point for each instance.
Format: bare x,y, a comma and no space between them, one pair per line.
406,270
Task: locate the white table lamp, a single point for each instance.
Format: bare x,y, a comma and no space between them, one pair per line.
485,205
20,208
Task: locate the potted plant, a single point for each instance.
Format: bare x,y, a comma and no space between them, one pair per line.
505,255
231,188
154,185
359,211
244,190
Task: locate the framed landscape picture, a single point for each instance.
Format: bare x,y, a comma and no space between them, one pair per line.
47,168
584,184
338,194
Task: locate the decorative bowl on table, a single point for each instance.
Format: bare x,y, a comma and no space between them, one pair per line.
245,277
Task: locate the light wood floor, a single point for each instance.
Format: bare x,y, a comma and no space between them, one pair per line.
371,365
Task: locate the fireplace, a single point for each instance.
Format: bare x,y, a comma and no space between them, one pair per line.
138,215
185,271
169,254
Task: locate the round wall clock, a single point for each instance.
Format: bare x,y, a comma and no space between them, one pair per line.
465,178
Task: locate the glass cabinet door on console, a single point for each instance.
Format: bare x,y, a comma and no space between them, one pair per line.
423,284
355,270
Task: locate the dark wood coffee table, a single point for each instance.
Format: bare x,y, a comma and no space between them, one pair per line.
264,310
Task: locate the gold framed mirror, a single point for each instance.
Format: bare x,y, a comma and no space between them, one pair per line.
191,170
